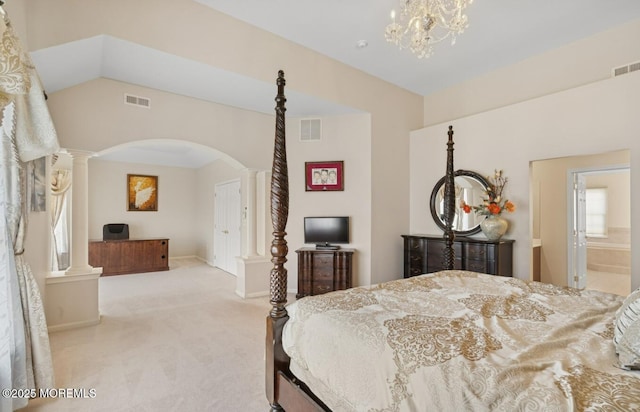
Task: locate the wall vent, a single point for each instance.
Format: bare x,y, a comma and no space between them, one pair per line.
310,130
628,68
137,101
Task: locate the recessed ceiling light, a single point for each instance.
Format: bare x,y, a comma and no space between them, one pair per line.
361,44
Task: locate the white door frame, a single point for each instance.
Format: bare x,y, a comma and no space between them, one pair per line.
577,248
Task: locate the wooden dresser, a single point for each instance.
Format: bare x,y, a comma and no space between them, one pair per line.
424,254
119,257
321,271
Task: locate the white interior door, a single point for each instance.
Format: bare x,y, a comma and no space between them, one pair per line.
227,222
578,261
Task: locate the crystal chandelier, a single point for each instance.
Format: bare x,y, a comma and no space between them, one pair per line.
423,23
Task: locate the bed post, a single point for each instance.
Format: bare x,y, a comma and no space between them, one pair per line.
449,205
276,358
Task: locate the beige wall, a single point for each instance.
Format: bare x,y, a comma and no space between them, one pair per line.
549,213
88,118
92,116
582,62
176,215
206,179
186,208
595,118
344,138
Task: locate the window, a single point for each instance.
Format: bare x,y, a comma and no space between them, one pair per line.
596,208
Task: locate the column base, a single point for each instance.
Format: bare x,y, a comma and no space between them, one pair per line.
79,270
71,300
253,276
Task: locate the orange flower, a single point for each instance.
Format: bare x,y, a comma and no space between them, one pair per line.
494,208
509,206
494,202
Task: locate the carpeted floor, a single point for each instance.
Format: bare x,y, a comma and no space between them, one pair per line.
619,284
180,340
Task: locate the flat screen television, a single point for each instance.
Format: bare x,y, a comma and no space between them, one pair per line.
326,231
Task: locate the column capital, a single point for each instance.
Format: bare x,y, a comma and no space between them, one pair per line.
250,171
79,154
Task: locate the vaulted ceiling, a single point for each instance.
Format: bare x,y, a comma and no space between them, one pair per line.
500,33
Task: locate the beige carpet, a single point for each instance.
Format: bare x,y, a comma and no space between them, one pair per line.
180,340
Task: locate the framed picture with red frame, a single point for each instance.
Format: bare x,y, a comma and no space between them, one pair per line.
324,176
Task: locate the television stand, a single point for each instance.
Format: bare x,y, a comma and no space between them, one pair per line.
326,246
321,271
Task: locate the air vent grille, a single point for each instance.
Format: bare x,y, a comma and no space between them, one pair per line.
628,68
310,130
137,101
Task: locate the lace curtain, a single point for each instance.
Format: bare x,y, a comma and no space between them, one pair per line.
60,184
27,133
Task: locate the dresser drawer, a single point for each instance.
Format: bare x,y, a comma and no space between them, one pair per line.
477,266
435,255
436,248
318,288
415,244
475,251
322,275
322,266
437,266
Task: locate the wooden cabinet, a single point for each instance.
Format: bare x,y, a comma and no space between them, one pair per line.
424,254
119,257
321,271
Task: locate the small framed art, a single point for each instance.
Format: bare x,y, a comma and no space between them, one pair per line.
324,176
142,193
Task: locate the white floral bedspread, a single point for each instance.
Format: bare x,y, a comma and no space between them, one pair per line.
454,341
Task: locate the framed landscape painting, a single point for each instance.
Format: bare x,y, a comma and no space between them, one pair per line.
324,176
142,193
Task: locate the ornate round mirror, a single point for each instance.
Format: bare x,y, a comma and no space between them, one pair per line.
470,187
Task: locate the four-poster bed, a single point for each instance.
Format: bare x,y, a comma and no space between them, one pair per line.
451,340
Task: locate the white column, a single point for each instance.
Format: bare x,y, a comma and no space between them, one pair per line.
79,213
250,212
253,269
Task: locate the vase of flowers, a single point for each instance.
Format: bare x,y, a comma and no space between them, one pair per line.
494,226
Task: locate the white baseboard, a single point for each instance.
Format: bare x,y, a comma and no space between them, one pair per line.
254,295
73,325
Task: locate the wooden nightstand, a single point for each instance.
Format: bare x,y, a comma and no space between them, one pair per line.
321,271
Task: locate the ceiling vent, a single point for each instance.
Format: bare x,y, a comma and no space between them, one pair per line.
310,130
137,101
632,67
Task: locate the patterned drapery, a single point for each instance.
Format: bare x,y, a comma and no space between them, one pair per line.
27,133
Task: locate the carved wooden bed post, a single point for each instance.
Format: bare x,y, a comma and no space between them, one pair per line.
449,205
276,358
